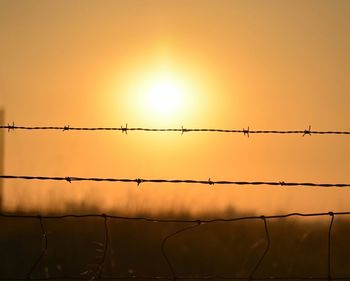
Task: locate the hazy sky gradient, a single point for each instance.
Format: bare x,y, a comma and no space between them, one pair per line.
263,64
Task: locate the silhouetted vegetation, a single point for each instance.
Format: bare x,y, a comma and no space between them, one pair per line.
75,247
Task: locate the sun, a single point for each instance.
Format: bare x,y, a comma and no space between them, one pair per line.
157,96
164,96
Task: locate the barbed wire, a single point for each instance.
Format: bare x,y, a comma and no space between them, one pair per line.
139,181
194,223
97,273
182,130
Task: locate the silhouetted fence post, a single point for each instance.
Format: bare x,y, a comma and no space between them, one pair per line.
2,156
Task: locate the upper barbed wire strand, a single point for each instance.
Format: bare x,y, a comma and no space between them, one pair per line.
246,132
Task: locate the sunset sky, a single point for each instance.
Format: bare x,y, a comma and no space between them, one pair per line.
225,64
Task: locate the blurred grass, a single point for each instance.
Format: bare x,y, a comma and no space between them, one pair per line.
298,247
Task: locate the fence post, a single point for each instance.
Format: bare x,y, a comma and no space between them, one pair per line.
2,154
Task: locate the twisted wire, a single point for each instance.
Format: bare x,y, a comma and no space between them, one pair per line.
139,181
182,130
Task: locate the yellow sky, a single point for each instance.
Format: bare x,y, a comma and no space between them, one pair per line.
263,64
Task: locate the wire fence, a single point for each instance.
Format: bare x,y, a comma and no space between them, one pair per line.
246,132
139,181
98,273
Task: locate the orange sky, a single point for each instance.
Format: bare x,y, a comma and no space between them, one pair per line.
263,64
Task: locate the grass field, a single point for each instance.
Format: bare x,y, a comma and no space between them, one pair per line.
75,247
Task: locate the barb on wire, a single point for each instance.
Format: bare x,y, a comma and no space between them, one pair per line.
246,132
138,181
210,182
43,250
183,130
126,129
10,127
307,131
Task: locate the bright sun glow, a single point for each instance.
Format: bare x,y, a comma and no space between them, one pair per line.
164,96
161,95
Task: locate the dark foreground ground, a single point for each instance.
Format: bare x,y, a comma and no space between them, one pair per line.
76,248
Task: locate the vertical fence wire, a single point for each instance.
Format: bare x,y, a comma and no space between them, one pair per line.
44,244
98,274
